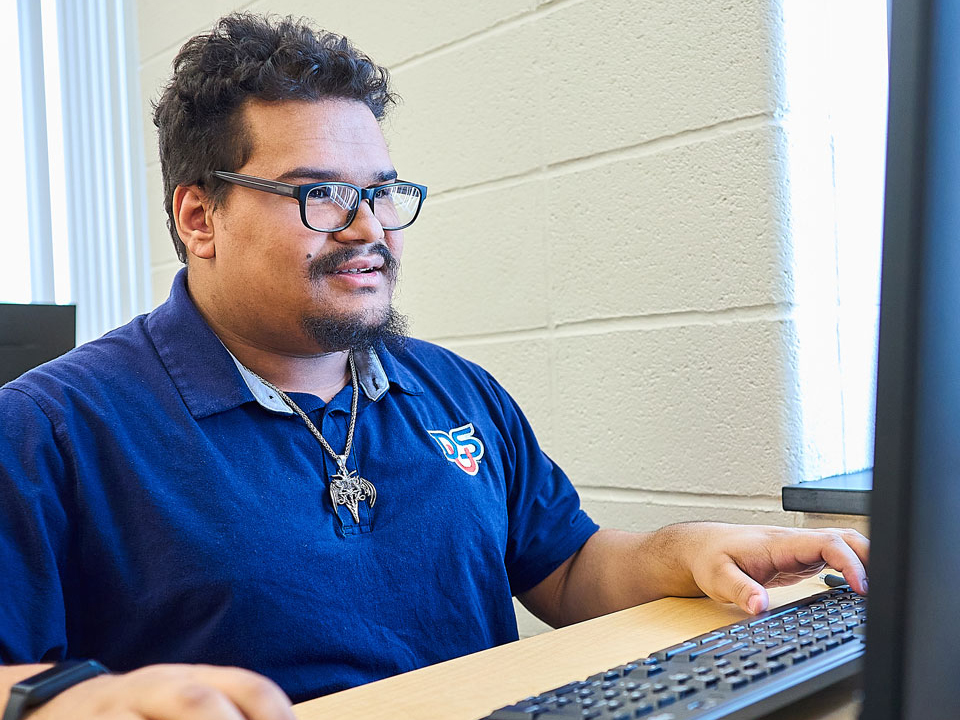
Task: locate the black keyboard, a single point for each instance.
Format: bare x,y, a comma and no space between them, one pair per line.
741,671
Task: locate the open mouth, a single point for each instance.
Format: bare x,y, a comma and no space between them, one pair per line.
356,271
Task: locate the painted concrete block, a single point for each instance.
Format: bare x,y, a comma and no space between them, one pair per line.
395,32
615,74
696,408
168,24
161,278
522,367
646,516
860,523
470,113
695,227
476,264
161,244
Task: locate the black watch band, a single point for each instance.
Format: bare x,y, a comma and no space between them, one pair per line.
36,690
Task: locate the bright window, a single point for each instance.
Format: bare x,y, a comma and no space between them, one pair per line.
15,240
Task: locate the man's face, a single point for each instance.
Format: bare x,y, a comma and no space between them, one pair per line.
277,283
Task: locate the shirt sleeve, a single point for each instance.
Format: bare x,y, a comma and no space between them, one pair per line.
546,523
33,533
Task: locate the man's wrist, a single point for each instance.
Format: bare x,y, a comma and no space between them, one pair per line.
37,689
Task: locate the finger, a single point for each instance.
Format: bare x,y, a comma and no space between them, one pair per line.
841,557
257,696
730,584
859,543
188,699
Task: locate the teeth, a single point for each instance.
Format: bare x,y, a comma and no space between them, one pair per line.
354,271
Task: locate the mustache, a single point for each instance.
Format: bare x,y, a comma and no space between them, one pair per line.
326,264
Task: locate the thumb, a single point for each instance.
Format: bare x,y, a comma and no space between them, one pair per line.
731,584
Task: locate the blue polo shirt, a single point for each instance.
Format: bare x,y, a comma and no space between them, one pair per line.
158,504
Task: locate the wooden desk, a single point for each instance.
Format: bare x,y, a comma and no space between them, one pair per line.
470,687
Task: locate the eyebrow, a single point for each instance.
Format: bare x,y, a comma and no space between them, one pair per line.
324,175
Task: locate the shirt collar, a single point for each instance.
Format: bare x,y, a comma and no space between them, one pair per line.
211,380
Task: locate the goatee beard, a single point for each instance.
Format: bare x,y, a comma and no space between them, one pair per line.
335,334
363,330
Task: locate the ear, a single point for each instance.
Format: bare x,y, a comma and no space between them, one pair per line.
193,211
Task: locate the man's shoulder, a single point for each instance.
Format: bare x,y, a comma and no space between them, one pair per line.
425,360
115,359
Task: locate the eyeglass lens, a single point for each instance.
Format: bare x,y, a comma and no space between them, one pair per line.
329,207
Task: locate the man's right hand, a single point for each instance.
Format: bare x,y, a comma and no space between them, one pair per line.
171,692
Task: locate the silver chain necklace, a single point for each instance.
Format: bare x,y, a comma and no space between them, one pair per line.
346,486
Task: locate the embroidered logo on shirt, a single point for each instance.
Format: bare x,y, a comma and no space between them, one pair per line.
461,447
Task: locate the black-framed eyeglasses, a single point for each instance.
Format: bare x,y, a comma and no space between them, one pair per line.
332,206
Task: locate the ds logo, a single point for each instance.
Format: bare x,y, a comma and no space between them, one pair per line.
461,447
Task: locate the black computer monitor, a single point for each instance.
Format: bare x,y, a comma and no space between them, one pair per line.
913,640
32,334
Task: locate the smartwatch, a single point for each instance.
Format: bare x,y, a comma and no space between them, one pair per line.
36,690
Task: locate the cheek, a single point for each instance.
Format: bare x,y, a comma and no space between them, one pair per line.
394,242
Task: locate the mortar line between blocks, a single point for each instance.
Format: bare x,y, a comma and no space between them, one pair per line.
636,151
502,25
773,312
674,498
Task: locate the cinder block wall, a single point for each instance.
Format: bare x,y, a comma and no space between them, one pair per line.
607,230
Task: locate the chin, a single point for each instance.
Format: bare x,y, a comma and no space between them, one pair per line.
356,331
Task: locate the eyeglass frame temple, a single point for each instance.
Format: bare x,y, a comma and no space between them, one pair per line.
300,192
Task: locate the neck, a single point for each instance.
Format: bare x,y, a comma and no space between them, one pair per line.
320,374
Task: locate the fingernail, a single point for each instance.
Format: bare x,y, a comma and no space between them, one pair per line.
864,583
755,604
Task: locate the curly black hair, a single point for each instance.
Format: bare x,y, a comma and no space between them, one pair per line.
244,57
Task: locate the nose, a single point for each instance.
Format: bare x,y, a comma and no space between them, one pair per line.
365,227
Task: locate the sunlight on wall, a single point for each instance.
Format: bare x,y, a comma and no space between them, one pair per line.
836,68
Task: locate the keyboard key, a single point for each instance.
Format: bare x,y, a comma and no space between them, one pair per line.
682,691
709,638
707,649
754,674
707,681
734,683
673,651
665,700
782,650
749,652
517,712
730,649
679,678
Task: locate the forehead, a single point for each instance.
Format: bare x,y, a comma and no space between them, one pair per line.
337,135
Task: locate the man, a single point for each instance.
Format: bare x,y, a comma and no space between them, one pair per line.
263,473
